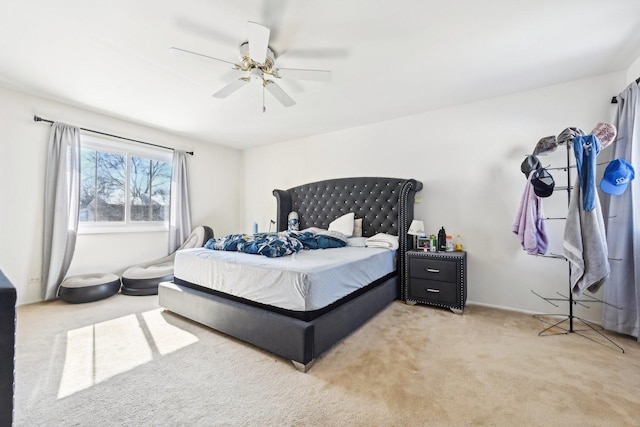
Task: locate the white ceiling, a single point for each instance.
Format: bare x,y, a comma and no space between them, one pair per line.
388,58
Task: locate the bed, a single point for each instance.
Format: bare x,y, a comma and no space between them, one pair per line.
385,206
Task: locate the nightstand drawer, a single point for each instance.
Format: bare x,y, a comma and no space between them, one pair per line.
432,269
434,291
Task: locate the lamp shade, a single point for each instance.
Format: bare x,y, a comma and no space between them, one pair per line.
416,228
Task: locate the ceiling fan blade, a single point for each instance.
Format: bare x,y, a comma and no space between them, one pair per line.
298,74
179,51
279,94
231,87
258,41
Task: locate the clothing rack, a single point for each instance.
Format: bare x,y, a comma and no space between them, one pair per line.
554,325
40,119
614,100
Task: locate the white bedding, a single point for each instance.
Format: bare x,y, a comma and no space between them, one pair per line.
305,281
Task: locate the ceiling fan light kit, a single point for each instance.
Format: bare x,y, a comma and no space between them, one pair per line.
259,60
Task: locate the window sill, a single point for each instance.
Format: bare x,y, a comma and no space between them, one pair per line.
121,228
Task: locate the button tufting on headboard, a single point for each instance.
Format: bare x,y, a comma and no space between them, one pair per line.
378,201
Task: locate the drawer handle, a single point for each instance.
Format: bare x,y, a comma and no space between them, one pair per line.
433,291
432,270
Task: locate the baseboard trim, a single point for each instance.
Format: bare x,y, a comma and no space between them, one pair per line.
501,307
516,310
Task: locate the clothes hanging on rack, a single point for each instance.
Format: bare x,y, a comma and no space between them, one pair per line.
529,222
584,244
586,148
585,241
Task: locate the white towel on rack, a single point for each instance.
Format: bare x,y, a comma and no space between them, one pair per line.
529,223
585,245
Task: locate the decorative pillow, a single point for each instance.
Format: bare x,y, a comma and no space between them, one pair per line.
343,224
357,227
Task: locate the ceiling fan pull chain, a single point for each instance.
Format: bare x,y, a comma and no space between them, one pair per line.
264,109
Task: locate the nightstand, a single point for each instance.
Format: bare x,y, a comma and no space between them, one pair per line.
437,278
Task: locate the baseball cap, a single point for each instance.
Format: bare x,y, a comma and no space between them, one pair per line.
606,133
529,164
618,174
546,145
542,182
567,135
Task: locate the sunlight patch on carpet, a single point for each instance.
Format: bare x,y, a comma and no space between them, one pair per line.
166,337
101,351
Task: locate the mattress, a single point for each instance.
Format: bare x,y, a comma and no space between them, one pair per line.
304,281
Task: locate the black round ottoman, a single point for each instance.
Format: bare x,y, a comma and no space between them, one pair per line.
89,287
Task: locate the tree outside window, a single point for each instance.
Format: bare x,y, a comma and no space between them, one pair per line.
107,184
150,189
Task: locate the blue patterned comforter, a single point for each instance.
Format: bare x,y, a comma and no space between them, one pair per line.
277,244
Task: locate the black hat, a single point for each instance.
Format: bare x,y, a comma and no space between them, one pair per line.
542,182
529,164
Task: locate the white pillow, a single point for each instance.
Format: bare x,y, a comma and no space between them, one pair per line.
344,224
358,242
357,227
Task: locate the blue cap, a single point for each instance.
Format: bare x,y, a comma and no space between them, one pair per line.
618,174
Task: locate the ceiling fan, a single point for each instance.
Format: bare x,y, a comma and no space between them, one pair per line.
257,62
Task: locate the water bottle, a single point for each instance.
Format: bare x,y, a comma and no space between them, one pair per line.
442,240
255,228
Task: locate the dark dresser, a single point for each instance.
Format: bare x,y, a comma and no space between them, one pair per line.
7,348
437,278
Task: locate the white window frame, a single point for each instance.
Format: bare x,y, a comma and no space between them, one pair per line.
127,226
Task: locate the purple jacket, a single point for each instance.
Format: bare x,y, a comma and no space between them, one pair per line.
529,223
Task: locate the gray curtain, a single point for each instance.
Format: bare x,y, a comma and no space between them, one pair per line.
622,288
62,200
180,217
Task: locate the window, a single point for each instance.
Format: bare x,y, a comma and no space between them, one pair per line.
123,188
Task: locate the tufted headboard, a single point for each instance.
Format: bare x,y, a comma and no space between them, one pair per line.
384,204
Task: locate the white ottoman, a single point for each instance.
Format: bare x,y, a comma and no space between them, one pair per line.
143,279
89,287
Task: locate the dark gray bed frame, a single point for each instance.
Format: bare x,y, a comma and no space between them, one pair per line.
384,204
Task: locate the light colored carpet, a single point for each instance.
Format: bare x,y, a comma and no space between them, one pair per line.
125,362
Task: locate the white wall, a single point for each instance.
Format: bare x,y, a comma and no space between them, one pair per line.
214,196
468,158
633,72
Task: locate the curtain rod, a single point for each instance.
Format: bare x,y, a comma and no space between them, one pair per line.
614,100
40,119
